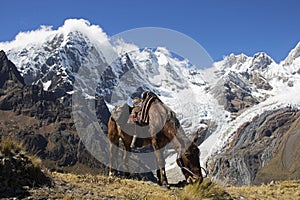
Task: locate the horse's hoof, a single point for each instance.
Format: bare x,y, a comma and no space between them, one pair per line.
110,174
127,175
166,185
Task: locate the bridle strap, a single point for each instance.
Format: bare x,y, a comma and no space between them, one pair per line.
180,163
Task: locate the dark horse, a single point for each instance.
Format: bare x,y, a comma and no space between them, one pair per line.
163,128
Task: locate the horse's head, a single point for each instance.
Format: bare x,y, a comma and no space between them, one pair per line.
190,164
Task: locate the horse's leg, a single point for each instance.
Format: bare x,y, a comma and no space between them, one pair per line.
161,173
127,148
113,137
113,151
157,119
162,177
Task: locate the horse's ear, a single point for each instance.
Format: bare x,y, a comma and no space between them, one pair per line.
196,137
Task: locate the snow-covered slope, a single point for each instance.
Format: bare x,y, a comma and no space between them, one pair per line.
283,79
214,101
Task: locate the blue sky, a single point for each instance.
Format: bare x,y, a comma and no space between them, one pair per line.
221,27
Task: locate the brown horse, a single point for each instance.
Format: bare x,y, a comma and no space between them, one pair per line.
164,128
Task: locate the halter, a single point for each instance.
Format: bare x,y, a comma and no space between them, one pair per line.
181,165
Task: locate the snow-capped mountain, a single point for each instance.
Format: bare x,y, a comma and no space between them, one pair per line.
214,102
54,57
257,79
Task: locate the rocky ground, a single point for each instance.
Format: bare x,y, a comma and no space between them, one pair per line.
70,186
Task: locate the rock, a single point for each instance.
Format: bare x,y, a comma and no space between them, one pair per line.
36,144
290,84
60,143
9,75
259,81
18,174
253,146
234,92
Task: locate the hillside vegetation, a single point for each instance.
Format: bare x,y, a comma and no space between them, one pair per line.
70,186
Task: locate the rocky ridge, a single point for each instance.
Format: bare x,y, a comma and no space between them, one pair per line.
42,121
249,86
255,145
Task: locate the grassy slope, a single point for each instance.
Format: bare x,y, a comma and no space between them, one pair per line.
277,190
70,186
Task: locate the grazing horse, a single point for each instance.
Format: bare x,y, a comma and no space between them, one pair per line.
162,129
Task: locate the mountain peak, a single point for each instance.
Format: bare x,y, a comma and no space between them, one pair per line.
3,56
293,55
235,61
261,61
45,33
93,32
9,75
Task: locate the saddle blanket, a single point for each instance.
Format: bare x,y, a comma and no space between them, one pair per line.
148,99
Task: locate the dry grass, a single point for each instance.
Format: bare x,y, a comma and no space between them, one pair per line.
116,188
10,147
71,186
277,190
205,190
36,161
103,187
